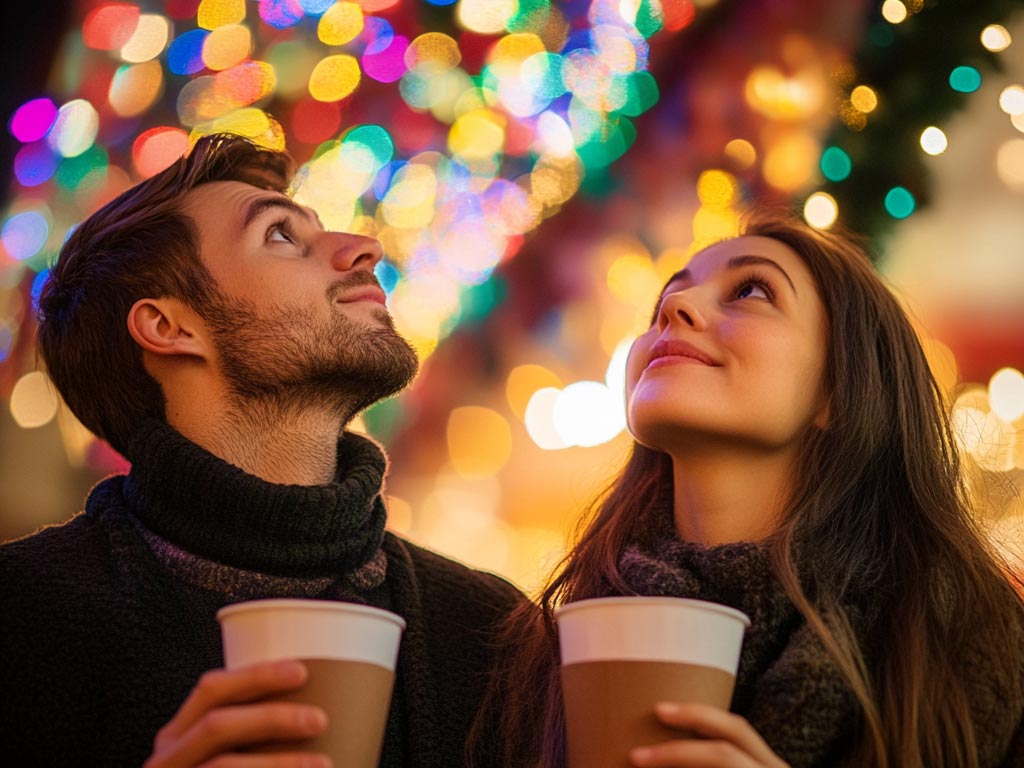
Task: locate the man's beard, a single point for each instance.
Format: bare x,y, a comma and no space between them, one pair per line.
289,357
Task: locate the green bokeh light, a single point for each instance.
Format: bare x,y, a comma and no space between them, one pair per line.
965,79
899,202
835,164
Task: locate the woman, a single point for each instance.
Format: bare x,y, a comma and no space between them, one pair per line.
794,460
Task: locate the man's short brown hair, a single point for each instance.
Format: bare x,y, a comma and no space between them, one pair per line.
140,245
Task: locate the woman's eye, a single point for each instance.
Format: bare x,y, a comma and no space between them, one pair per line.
753,289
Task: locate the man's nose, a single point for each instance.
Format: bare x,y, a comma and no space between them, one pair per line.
354,251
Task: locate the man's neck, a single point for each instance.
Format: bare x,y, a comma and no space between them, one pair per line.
285,446
728,495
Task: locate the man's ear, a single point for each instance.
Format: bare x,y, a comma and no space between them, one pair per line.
166,327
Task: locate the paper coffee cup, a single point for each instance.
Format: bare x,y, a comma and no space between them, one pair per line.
622,655
350,651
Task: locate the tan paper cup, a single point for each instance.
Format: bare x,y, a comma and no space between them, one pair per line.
622,655
350,652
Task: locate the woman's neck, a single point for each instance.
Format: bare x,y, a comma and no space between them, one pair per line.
730,495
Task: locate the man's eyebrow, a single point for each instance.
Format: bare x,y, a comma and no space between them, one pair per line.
734,263
262,204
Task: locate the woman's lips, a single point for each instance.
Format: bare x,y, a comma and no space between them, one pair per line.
676,352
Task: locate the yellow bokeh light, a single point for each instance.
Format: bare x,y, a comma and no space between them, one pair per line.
852,117
540,419
894,11
1010,163
781,97
33,400
821,210
227,46
400,516
717,189
711,225
1011,100
741,152
1006,394
1018,122
334,78
479,441
864,99
409,203
486,17
792,161
633,279
933,140
218,13
435,49
516,48
477,135
135,88
523,381
996,37
340,24
149,39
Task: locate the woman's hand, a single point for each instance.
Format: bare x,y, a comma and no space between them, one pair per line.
223,717
724,741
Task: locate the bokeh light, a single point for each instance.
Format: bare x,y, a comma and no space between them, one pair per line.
1006,394
33,401
996,37
899,202
894,11
933,140
33,119
1011,100
479,441
821,210
965,79
1010,163
835,164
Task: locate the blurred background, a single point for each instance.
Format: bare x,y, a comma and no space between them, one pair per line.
535,169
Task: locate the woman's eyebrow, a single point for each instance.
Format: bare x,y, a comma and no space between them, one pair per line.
736,262
745,261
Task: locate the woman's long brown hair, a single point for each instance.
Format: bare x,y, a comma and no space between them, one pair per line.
881,502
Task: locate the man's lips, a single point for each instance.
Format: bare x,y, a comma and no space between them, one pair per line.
671,352
367,293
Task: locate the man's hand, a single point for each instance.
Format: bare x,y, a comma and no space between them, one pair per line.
724,741
223,716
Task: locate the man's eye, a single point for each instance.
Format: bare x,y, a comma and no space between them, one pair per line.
278,234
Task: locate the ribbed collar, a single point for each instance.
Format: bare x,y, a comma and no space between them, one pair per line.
213,509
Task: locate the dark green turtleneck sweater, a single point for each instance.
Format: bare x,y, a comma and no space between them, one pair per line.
107,621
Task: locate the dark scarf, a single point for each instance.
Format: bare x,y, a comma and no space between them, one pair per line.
215,511
787,685
229,533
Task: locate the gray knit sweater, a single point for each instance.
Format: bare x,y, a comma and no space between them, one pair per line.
107,621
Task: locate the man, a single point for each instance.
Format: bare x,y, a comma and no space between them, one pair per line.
213,332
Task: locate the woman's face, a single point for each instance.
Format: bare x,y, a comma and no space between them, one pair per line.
735,354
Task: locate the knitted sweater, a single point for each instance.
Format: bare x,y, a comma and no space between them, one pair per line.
787,685
107,621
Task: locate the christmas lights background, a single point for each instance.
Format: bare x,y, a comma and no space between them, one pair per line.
534,170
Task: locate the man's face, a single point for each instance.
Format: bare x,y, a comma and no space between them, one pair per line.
300,314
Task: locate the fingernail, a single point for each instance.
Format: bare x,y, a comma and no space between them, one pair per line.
667,708
641,754
314,719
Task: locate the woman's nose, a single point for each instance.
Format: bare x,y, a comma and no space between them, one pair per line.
679,307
